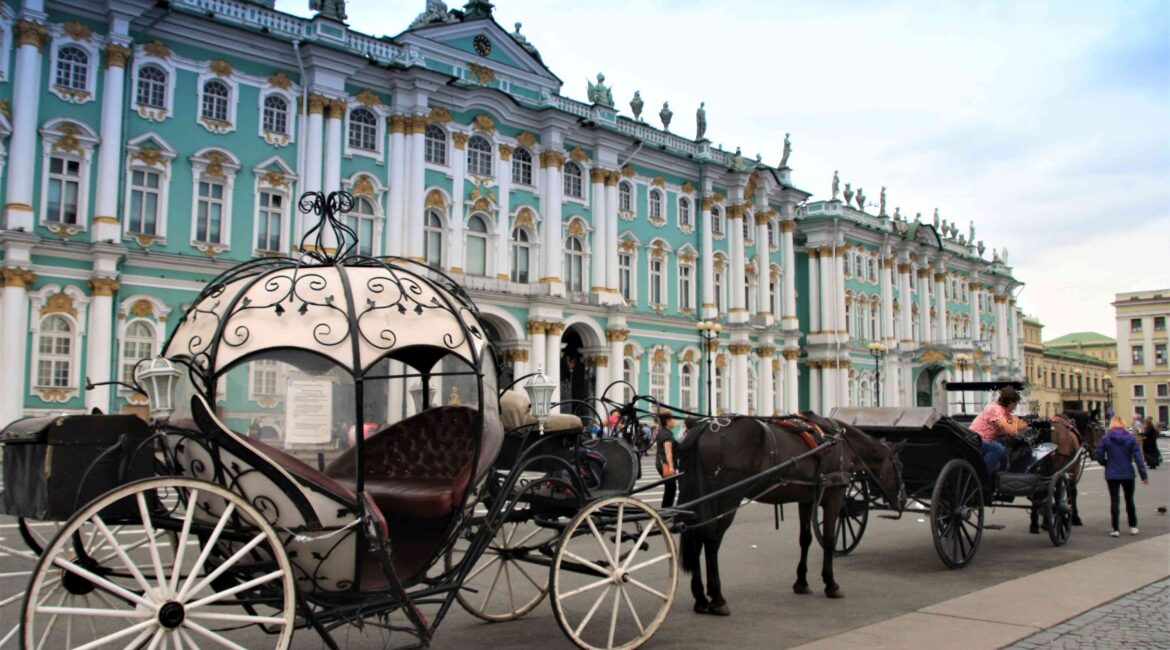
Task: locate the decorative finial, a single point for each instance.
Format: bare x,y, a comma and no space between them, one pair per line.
665,115
861,199
848,194
636,105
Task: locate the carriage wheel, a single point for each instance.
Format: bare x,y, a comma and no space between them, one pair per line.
503,585
614,574
956,513
853,519
1059,511
97,584
19,562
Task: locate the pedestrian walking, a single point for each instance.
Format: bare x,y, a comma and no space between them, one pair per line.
664,461
1119,452
1150,449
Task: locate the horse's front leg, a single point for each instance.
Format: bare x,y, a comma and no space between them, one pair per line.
1072,502
718,604
801,584
831,504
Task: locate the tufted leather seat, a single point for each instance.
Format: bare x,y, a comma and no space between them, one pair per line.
419,467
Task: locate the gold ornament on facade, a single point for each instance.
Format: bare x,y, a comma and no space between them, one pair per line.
628,171
932,356
77,31
68,140
221,68
616,335
52,395
576,227
483,74
687,188
740,348
280,80
791,355
151,156
59,303
64,231
765,352
157,49
712,345
552,158
658,252
719,264
690,356
659,355
658,181
459,140
363,186
367,98
317,103
537,327
721,361
686,257
556,329
761,218
598,175
32,33
117,55
438,115
524,218
335,108
104,286
481,204
72,94
526,139
397,123
278,179
505,152
788,225
14,277
629,351
627,245
435,200
612,178
142,308
5,109
483,123
578,155
750,189
215,162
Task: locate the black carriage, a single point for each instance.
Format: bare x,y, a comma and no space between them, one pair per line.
946,480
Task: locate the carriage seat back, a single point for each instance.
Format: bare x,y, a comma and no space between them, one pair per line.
419,467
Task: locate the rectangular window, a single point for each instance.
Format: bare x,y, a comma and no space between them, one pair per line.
145,198
209,220
1140,411
625,262
64,189
684,287
363,226
656,282
1160,354
1163,414
1139,355
1139,390
1159,323
1135,324
268,221
265,378
1162,390
520,264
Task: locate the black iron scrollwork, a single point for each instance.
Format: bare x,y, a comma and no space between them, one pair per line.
330,239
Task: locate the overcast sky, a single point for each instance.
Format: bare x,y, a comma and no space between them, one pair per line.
1046,123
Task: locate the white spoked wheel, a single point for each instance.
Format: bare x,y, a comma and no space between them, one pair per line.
21,544
614,574
504,585
180,563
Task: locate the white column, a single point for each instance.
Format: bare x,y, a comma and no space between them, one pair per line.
1015,340
415,196
611,240
455,246
763,269
14,298
788,319
737,279
792,381
906,301
843,395
826,289
839,292
314,152
503,216
552,364
536,342
600,375
828,389
814,291
99,339
617,355
887,288
1001,327
395,230
940,296
552,162
707,257
972,290
105,221
924,305
739,368
31,38
331,176
767,400
814,386
600,254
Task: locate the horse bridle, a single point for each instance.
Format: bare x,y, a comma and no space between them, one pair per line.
839,431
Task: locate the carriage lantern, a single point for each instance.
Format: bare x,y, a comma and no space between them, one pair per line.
158,376
540,389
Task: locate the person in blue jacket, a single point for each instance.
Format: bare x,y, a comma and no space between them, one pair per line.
1118,451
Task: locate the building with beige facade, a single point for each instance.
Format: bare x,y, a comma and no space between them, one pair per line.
1062,376
1142,384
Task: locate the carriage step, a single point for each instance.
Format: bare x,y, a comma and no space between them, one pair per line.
894,517
992,526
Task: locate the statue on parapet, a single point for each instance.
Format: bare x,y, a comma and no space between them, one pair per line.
848,195
861,199
936,218
522,41
787,151
836,185
599,93
971,232
665,115
701,121
636,105
333,9
882,202
436,12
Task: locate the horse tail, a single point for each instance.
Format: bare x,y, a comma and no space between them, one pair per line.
691,547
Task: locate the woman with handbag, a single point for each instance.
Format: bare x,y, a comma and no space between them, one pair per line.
1119,453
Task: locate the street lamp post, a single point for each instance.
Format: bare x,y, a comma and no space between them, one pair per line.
709,331
1108,381
1079,375
963,361
878,350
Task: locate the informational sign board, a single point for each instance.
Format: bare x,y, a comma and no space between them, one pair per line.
308,411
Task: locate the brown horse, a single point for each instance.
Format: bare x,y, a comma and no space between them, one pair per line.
719,453
1071,430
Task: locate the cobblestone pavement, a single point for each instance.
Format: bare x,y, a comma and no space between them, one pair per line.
1137,621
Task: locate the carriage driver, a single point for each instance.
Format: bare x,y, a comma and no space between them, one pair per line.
997,420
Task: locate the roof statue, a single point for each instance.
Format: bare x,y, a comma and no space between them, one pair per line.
665,115
861,199
971,232
436,12
836,185
477,9
897,213
1005,256
701,121
787,151
981,248
848,194
522,41
599,93
994,256
332,9
946,229
882,202
636,105
936,218
917,217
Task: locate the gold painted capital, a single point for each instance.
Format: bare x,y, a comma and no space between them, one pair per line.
397,123
905,268
552,158
598,175
788,225
924,273
104,286
317,104
506,152
14,277
117,55
761,218
617,335
999,299
791,355
537,327
335,109
556,329
740,349
459,140
940,277
32,33
765,352
712,345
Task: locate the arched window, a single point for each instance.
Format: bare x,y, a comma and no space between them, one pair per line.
684,213
215,100
717,282
861,313
361,219
521,255
436,145
476,246
137,344
275,118
152,86
363,129
716,221
73,68
433,239
847,266
574,187
720,380
865,398
626,275
55,348
658,371
625,197
655,205
874,328
772,234
686,387
521,167
849,316
479,156
574,264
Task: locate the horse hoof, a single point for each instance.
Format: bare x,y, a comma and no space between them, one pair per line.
1077,521
1035,530
801,588
703,608
719,609
834,592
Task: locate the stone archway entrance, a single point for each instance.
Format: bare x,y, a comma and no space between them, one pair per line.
926,388
577,376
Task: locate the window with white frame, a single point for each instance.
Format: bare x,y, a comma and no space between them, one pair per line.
138,341
209,216
847,266
265,378
521,255
687,387
630,377
216,98
433,239
64,190
849,325
655,205
574,186
522,167
874,327
747,231
151,89
574,271
684,213
275,115
720,380
479,156
625,196
658,374
716,221
72,68
859,267
873,275
476,247
269,216
145,202
363,129
751,390
773,293
720,295
435,142
1139,390
626,275
361,219
686,286
750,293
657,282
772,243
55,342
